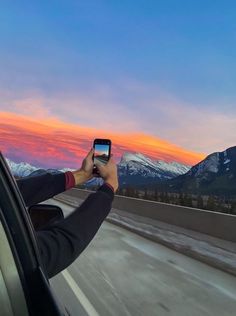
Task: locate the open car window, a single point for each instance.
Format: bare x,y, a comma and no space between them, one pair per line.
24,285
12,298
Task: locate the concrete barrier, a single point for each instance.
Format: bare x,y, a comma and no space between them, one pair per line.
211,223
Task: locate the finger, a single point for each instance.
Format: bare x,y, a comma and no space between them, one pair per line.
99,166
90,153
111,161
108,162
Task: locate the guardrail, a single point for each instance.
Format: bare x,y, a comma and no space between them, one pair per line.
208,222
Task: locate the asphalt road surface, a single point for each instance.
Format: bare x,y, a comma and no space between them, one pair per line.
121,273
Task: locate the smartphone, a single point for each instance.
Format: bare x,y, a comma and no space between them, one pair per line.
102,152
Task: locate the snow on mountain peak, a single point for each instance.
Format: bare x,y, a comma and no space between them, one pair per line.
24,169
137,157
210,164
127,156
139,163
130,164
21,169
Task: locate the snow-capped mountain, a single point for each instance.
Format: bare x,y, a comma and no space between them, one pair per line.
216,163
133,168
140,169
215,174
21,169
139,164
24,169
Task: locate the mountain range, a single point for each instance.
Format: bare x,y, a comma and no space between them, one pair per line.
24,169
216,174
140,169
132,168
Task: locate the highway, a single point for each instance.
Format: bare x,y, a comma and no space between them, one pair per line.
121,273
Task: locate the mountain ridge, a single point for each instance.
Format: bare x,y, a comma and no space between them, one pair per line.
137,168
131,165
216,174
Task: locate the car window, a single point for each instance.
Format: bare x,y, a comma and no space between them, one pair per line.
24,283
12,298
11,295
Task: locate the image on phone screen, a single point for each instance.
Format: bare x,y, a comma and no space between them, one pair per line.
101,153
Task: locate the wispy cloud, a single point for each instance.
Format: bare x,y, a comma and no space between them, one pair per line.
131,107
198,128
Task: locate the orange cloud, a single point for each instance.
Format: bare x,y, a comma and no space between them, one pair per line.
53,143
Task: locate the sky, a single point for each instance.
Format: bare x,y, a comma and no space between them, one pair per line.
157,77
101,150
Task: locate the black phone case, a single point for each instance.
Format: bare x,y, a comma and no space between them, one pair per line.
101,141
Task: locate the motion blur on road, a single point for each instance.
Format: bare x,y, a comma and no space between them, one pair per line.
122,273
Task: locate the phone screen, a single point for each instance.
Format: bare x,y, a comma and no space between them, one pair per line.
101,153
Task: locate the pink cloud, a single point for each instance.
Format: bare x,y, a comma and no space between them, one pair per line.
53,143
148,110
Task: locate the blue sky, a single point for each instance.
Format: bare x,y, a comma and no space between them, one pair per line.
101,149
166,68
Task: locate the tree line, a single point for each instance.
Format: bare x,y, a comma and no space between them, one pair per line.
207,202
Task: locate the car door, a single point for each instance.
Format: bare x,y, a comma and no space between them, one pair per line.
24,287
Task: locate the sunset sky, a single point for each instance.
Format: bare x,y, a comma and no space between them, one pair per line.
156,77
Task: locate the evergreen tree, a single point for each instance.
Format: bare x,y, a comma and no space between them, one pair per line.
162,197
156,195
174,199
130,191
233,208
120,191
166,199
136,194
145,194
181,199
200,202
188,200
211,205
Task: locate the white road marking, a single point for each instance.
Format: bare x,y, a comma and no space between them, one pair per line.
88,307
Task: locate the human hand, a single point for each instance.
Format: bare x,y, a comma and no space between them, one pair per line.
109,173
85,172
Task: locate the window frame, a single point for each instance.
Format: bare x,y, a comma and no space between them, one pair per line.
22,240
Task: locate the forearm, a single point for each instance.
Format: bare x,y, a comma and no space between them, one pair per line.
80,177
40,188
64,241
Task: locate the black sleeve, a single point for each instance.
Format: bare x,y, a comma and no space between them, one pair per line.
62,243
36,189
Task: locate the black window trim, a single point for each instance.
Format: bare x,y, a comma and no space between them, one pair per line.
17,224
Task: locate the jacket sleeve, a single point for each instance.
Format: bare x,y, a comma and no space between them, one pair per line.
62,242
36,189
